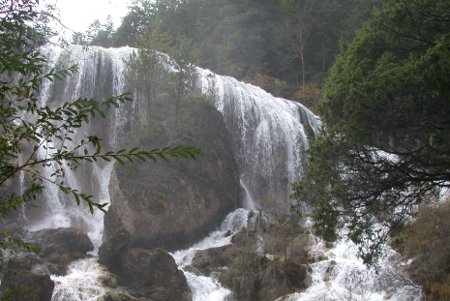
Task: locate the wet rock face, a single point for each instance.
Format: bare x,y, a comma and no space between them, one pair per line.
59,247
172,204
20,283
112,249
210,260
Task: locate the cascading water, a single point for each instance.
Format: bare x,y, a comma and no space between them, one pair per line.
207,288
270,138
94,79
342,275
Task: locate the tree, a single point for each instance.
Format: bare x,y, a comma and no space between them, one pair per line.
27,127
299,29
97,34
182,52
290,41
101,33
385,146
146,73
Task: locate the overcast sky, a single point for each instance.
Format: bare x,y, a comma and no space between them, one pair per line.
79,14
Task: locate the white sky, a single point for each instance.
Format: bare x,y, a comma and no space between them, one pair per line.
79,14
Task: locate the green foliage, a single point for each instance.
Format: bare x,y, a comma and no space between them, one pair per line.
155,74
27,127
287,41
385,146
98,34
12,244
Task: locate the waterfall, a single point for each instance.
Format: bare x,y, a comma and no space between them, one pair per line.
343,276
100,75
269,138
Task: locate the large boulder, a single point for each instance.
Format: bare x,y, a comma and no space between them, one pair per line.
210,260
59,247
151,274
255,277
62,245
173,204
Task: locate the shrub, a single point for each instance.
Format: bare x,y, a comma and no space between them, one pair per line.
427,241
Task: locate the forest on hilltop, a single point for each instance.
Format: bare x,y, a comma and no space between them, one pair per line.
285,47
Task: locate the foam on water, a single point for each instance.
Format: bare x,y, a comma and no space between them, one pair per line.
81,283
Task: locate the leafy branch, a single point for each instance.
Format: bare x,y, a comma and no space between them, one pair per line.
36,138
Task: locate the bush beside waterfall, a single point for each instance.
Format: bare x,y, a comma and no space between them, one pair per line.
426,241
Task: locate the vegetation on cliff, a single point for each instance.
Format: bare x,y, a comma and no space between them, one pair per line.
267,260
426,241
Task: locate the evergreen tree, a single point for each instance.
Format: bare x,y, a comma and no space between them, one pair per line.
385,147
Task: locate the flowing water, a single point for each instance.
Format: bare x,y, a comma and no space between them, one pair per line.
270,137
100,73
342,275
207,288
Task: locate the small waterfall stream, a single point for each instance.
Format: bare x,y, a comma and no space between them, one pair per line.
207,288
270,138
342,275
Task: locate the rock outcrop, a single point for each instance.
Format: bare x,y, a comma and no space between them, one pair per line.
174,203
264,262
250,275
20,283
